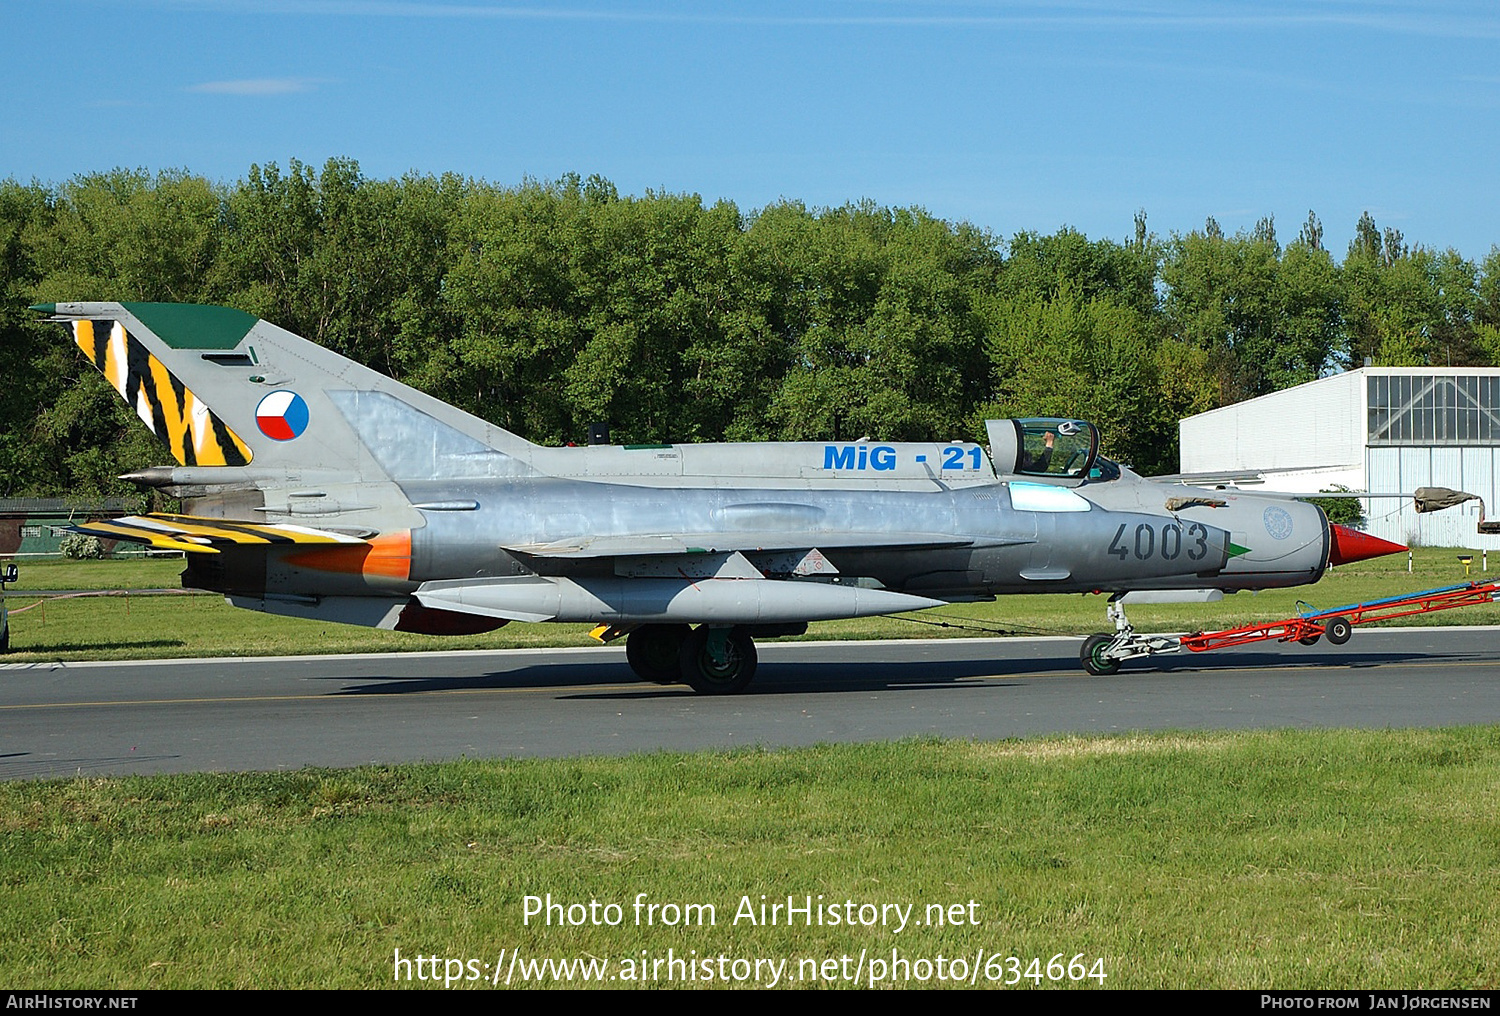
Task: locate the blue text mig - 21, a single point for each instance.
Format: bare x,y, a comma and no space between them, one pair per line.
317,488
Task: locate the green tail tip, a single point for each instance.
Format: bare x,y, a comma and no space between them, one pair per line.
45,308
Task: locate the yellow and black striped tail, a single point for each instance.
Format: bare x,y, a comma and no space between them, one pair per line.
194,535
190,430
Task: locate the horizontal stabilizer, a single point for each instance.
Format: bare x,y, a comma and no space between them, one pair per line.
194,535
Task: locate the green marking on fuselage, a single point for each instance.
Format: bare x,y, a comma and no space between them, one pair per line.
1235,550
186,326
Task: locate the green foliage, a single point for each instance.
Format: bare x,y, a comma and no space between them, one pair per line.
1412,306
126,235
1045,265
1067,356
80,547
1343,511
352,264
1269,318
579,306
882,336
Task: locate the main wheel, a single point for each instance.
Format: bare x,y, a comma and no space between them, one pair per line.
1338,630
652,651
725,675
1093,659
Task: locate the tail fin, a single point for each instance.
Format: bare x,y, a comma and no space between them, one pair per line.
220,387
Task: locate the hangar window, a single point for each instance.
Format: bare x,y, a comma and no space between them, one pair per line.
1433,409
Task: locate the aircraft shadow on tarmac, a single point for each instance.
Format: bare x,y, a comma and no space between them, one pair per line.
1205,663
575,680
771,678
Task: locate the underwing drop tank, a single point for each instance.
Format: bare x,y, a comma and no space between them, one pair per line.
705,601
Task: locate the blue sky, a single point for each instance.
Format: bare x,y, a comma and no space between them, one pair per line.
1010,115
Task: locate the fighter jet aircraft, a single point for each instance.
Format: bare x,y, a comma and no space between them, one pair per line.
315,487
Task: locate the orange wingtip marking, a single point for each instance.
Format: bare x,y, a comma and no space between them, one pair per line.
387,555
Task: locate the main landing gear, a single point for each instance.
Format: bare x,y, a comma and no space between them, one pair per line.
710,659
652,652
717,661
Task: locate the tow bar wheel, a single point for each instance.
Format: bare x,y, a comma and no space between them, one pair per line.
1338,630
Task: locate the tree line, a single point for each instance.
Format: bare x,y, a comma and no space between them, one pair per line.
545,307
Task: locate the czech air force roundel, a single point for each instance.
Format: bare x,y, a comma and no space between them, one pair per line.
281,415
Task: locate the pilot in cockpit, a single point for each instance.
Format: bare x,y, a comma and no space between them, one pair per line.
1042,439
1033,461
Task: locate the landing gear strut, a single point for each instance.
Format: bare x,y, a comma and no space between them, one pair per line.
1102,654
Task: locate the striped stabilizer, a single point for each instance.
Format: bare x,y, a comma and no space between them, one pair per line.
194,435
196,535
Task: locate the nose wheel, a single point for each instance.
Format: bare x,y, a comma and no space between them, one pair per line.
1093,659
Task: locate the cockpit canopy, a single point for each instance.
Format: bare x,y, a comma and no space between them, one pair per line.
1046,446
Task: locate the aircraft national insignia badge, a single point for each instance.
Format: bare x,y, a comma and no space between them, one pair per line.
281,415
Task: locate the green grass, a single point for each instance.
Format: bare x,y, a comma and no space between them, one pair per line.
133,627
115,573
1266,860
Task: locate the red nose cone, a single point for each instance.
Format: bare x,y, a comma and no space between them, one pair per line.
1346,545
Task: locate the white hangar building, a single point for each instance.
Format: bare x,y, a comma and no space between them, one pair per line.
1380,429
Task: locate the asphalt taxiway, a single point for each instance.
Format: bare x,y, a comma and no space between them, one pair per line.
64,719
